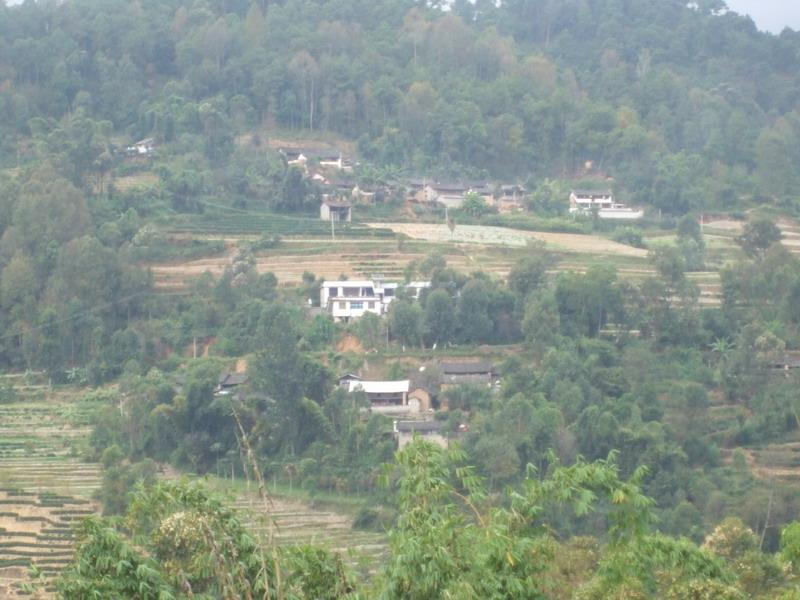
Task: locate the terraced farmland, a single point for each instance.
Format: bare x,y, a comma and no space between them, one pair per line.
271,224
36,530
44,485
296,523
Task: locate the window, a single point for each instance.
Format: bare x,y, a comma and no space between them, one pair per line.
342,305
389,292
356,305
334,291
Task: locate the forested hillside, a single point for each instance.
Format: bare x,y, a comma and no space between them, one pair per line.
687,107
635,430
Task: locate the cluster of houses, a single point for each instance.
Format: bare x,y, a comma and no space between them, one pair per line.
411,403
412,406
337,205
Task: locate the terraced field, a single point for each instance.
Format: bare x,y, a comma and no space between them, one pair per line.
44,485
294,523
36,531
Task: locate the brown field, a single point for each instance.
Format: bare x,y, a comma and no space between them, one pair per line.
363,258
130,182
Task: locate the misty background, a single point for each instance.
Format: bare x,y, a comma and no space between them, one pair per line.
769,15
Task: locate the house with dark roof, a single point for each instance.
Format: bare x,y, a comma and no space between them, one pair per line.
229,381
344,380
788,362
467,372
404,432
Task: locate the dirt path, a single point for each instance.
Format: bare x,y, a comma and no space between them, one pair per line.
501,236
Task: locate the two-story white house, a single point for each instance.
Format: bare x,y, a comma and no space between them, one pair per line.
346,300
601,202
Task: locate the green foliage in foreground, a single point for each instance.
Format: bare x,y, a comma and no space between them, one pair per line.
451,540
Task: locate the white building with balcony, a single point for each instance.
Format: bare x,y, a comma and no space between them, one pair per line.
346,300
602,203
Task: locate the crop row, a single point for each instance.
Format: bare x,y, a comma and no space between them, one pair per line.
275,225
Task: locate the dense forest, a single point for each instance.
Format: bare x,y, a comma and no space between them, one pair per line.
615,456
687,107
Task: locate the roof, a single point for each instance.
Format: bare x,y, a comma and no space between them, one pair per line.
337,203
790,361
318,153
448,187
381,387
593,192
418,284
348,283
349,377
418,426
232,379
466,368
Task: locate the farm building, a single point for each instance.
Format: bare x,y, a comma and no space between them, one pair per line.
404,432
338,211
344,380
472,373
229,381
384,393
142,148
331,159
419,400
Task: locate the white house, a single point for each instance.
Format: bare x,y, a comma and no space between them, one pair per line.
384,394
587,202
338,211
143,148
415,288
346,300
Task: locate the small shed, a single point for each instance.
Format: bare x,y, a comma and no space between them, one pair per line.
337,211
419,400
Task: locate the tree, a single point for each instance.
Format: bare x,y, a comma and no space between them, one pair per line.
180,538
406,322
586,302
474,205
440,318
473,312
530,273
758,236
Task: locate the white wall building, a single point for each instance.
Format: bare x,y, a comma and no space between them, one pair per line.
346,300
587,202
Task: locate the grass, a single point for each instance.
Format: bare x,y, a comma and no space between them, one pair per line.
268,224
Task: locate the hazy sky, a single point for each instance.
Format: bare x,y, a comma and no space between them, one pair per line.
772,15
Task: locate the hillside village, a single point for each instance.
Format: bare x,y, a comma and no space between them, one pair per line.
398,300
341,192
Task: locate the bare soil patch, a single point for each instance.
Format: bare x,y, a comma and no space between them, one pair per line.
349,343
